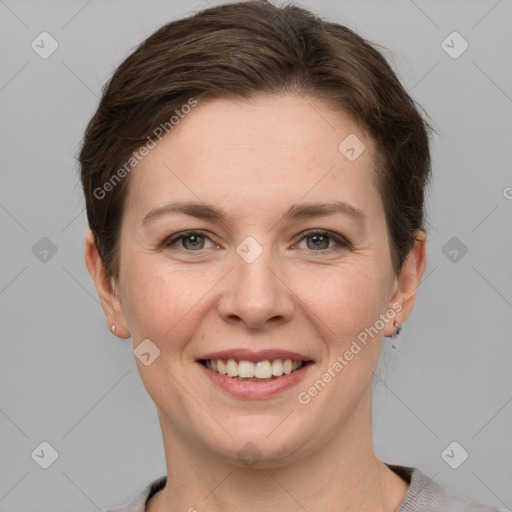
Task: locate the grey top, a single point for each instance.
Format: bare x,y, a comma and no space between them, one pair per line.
424,495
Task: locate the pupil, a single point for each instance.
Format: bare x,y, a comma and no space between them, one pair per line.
319,238
194,238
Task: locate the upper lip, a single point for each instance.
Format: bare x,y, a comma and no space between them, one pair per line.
240,354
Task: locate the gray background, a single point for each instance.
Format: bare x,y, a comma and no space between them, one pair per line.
66,380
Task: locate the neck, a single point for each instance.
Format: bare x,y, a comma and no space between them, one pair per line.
343,475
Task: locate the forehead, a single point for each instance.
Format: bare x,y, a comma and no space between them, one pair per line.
255,154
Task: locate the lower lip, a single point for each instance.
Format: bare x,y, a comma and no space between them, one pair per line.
254,389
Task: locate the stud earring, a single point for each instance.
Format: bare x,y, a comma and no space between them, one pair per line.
113,328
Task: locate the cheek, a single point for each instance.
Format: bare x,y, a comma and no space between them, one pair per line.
164,302
344,301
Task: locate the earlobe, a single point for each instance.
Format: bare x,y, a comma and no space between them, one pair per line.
104,284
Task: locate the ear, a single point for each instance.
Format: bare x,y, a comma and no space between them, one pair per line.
105,286
408,280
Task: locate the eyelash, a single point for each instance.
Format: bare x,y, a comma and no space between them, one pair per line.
343,243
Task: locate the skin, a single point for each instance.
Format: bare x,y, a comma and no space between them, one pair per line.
255,159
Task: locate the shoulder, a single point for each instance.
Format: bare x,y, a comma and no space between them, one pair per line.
426,495
138,502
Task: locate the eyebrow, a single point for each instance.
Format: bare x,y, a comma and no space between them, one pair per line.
294,212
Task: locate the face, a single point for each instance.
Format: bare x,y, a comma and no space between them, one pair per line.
255,273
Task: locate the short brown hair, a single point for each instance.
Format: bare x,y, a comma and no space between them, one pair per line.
240,50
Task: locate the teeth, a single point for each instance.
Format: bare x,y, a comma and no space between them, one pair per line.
232,368
277,367
221,367
265,370
246,369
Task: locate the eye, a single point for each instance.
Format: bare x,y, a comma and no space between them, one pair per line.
320,241
190,240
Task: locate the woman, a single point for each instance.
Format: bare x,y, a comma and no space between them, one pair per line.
254,181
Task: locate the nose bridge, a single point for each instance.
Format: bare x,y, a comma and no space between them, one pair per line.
255,291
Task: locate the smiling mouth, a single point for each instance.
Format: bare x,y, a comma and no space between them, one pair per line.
260,371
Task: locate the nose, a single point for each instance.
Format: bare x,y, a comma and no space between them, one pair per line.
256,295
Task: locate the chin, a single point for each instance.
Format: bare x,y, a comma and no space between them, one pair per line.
258,442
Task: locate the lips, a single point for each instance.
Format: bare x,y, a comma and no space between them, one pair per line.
254,374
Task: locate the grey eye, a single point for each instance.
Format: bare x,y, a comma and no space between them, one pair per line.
196,242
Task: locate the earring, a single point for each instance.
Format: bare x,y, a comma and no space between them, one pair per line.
113,328
398,328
